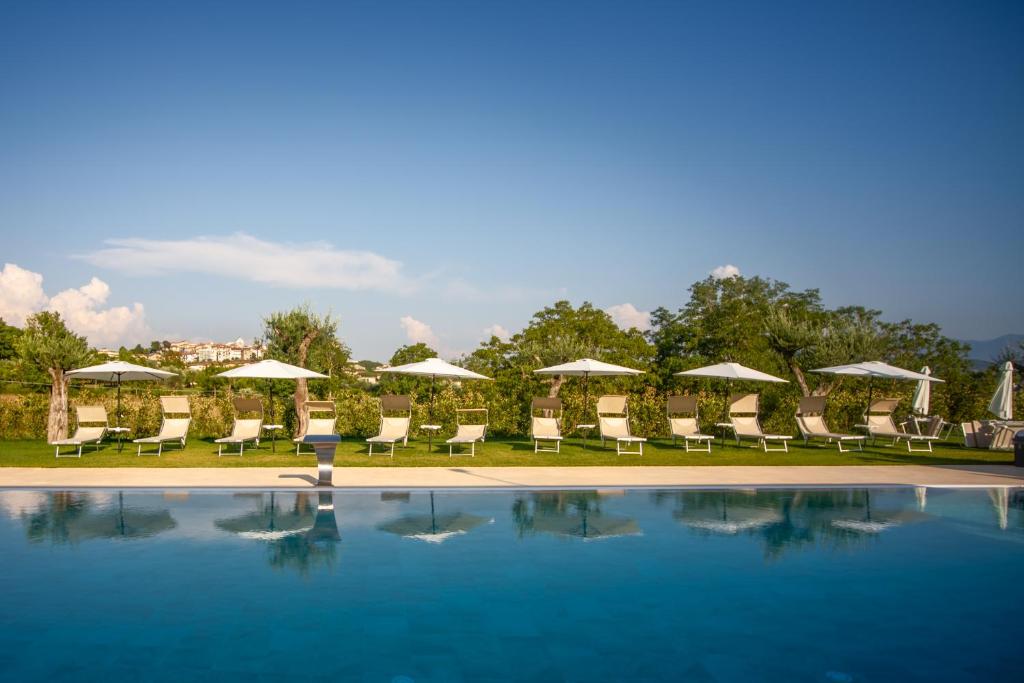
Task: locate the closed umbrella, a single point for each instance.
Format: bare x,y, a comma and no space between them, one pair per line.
116,372
730,372
922,394
1001,404
585,368
876,368
271,369
434,368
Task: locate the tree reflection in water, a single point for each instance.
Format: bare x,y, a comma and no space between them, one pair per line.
315,547
70,517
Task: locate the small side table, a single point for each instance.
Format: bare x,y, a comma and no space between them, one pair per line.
119,432
584,429
725,427
273,429
430,430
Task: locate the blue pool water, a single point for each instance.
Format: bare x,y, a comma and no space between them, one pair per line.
831,586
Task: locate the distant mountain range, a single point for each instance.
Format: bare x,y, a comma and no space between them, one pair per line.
985,351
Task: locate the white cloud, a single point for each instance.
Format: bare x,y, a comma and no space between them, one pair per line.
627,317
22,294
418,331
242,256
724,272
498,331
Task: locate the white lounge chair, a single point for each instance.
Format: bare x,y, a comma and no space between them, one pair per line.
470,428
743,410
810,418
244,429
545,424
172,429
990,434
683,423
613,423
393,427
91,427
880,425
317,426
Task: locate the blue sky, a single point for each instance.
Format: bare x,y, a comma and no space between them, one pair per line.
461,165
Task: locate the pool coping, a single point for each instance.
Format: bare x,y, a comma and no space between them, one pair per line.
517,478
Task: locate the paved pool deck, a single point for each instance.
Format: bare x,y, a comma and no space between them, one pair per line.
986,476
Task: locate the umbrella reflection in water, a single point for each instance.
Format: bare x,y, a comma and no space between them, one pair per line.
73,517
575,514
726,512
434,528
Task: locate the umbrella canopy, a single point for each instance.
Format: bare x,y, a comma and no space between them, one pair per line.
1001,404
586,367
922,394
271,369
118,371
435,367
731,371
876,368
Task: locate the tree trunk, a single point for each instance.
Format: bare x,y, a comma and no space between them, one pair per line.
301,389
800,379
57,420
556,385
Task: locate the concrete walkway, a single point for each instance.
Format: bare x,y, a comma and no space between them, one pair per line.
513,477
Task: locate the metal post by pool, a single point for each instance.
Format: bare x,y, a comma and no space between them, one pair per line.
325,446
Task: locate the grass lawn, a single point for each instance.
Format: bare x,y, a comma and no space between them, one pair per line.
496,452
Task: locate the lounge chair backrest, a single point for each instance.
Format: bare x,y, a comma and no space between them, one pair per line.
91,415
471,422
811,405
247,428
746,425
174,428
684,426
470,431
544,427
883,406
395,403
685,405
320,426
882,424
248,405
394,427
175,405
970,430
612,405
743,404
549,407
811,424
613,427
933,425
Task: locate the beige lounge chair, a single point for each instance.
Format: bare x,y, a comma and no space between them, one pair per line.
810,418
683,423
989,434
245,429
394,427
545,424
613,423
173,428
743,410
880,425
317,426
470,428
91,427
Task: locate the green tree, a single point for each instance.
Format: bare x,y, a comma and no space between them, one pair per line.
305,339
46,344
8,341
412,353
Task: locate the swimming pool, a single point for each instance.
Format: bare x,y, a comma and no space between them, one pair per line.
804,585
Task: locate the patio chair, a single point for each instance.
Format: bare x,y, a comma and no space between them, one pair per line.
613,423
244,429
989,434
317,426
683,423
880,425
470,428
743,410
810,419
91,427
173,427
395,418
545,424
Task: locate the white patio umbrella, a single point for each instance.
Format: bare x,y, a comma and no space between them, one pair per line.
585,368
271,369
876,368
1001,404
434,368
118,371
922,394
730,372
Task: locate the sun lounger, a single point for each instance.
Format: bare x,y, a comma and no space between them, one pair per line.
244,429
174,428
545,424
743,410
91,427
880,425
471,428
683,423
990,434
317,426
394,427
613,423
810,418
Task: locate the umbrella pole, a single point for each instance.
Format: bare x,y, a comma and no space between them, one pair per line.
273,432
430,432
120,441
586,405
433,518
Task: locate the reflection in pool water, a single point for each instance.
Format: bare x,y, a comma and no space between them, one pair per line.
815,585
